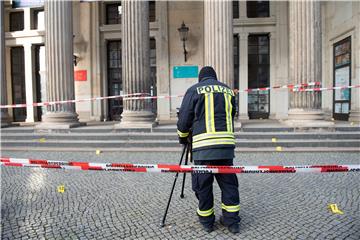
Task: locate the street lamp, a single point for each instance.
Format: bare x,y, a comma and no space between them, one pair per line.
183,31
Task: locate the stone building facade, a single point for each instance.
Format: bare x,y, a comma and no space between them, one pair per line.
61,50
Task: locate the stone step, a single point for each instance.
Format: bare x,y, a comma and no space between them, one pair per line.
258,143
172,129
172,136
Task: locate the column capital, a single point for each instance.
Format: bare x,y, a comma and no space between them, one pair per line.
243,35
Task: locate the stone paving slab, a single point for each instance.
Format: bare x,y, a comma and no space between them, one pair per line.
115,205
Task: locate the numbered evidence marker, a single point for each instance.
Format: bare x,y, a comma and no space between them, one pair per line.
98,152
61,189
278,149
273,140
334,208
42,140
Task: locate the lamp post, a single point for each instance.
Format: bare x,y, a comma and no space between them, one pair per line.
183,31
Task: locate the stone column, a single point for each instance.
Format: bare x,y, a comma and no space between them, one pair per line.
59,65
305,62
136,64
243,84
5,118
218,35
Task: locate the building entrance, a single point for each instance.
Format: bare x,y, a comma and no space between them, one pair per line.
18,82
258,75
115,106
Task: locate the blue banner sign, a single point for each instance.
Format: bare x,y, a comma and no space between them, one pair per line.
27,3
185,71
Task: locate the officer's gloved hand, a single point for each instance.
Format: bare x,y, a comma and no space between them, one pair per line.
183,140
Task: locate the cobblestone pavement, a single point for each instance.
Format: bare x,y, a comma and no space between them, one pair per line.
116,205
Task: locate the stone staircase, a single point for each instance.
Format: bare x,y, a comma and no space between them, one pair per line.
164,138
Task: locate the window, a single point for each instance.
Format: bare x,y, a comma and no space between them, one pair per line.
152,11
342,77
18,82
39,19
235,9
113,13
114,79
258,75
257,9
16,21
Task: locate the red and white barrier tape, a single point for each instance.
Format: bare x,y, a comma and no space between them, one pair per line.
131,96
163,168
141,96
302,89
290,86
293,89
43,104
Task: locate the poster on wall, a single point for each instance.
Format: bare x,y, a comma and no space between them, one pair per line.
80,75
342,79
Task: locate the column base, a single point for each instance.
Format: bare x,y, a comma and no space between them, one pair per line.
354,116
136,120
5,119
243,117
307,118
9,124
59,120
237,124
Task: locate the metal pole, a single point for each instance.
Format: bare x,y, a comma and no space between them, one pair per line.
186,162
172,189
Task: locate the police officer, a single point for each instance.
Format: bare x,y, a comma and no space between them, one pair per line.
208,109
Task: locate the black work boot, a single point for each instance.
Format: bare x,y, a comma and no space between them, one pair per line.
233,228
208,229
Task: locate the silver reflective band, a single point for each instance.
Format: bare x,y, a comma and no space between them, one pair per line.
181,134
211,142
204,136
205,213
230,208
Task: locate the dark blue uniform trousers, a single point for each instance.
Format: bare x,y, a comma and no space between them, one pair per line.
202,184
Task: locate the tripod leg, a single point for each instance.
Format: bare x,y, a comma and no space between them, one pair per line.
186,162
172,189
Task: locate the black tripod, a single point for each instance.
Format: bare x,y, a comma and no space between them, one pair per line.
187,149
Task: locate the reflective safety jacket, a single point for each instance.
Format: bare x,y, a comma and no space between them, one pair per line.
208,109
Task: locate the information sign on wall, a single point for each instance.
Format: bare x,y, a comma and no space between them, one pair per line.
185,71
27,3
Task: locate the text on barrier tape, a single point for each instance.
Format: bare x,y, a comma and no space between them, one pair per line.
163,168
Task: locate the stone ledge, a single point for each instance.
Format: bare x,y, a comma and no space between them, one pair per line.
135,126
55,127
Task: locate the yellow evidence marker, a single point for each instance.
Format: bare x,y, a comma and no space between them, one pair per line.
61,189
98,152
334,208
42,140
278,148
273,140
